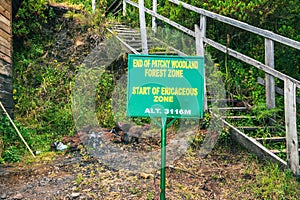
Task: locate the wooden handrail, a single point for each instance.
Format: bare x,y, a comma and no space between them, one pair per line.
219,46
242,25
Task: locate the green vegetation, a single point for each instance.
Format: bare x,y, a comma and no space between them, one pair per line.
10,141
31,17
43,81
43,78
273,183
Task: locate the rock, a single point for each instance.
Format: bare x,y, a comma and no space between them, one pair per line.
108,136
125,138
82,135
117,139
74,141
146,127
74,195
3,196
29,186
121,126
61,146
135,131
58,146
121,133
18,196
145,176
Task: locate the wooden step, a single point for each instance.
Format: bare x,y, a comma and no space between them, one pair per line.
223,100
275,151
271,139
128,34
254,128
125,31
234,108
163,53
121,28
134,41
239,117
130,37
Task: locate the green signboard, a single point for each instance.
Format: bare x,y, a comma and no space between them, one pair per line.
165,86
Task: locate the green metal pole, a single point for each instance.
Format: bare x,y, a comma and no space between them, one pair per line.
163,159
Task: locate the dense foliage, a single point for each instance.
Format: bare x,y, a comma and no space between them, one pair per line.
45,64
42,86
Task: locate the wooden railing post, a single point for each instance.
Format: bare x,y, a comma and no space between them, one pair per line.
93,6
291,126
200,51
143,27
124,7
270,84
154,9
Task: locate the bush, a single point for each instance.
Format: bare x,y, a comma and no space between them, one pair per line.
30,17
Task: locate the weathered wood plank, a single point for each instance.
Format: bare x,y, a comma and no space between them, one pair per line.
6,4
270,83
174,24
5,36
272,139
254,146
117,8
275,151
5,98
122,31
199,35
4,42
202,53
241,25
6,59
170,47
6,13
278,90
154,9
200,32
143,27
251,61
199,46
121,28
5,50
291,126
5,68
93,6
124,7
234,108
254,128
5,28
123,42
239,117
6,84
6,21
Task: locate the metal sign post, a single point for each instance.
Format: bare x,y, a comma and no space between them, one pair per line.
165,87
163,159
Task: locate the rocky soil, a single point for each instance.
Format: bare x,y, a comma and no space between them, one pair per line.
223,174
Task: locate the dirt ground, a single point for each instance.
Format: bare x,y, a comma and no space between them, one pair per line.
220,175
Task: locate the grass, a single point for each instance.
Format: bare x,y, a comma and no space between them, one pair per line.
274,183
